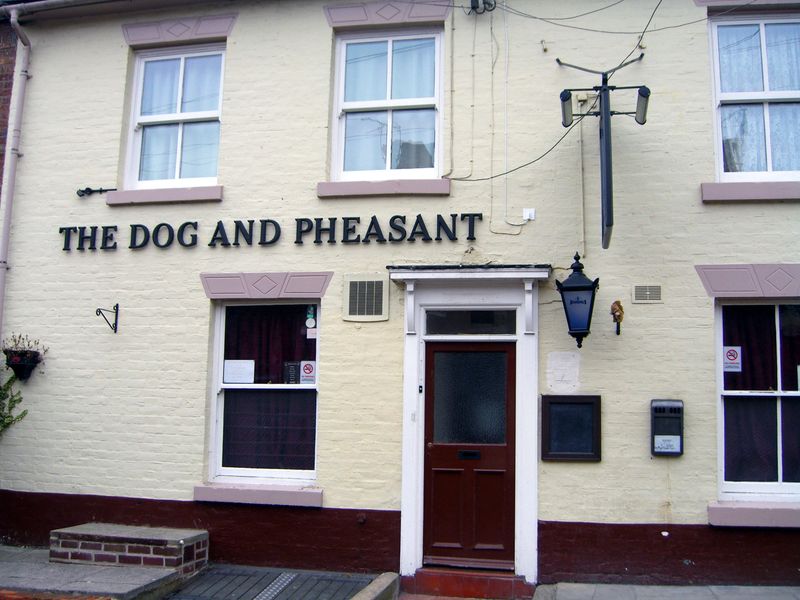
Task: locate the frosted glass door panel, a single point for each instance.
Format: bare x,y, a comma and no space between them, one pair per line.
470,397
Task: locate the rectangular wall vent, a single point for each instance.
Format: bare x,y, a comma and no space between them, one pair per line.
366,298
647,294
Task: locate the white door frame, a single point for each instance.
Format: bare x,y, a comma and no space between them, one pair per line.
463,288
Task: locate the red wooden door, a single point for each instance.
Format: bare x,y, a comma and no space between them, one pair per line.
469,454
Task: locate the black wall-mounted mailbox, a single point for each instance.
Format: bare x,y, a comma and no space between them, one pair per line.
666,427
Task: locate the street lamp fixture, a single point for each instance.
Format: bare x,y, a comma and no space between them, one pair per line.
577,295
605,113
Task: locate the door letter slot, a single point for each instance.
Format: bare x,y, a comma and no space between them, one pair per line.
469,455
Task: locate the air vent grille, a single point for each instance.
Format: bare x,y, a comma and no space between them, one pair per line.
365,298
647,294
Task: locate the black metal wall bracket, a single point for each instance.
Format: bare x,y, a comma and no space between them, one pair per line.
102,312
87,191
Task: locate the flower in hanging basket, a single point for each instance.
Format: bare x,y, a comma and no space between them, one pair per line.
23,354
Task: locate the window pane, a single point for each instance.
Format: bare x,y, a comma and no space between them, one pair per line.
200,149
790,348
784,130
790,426
752,328
413,133
571,427
159,150
365,71
413,68
201,83
783,56
269,429
469,397
470,322
271,336
740,58
743,142
751,439
160,86
365,141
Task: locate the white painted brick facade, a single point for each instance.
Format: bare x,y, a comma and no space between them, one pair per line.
128,414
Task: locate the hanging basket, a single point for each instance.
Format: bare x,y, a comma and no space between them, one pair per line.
22,362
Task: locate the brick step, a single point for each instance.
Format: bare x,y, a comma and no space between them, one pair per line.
184,550
467,583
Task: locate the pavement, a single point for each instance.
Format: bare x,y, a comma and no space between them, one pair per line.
27,574
588,591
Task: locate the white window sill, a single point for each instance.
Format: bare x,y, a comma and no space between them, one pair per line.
754,514
394,187
211,193
284,495
754,191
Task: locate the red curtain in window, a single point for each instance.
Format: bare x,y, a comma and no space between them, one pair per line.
269,335
789,315
751,439
269,429
751,442
752,328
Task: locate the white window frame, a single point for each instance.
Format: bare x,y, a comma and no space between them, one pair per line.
220,474
752,490
137,121
763,98
341,108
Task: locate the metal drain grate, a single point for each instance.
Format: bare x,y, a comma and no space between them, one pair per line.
277,586
230,582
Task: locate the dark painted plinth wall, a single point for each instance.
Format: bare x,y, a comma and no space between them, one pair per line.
690,554
368,540
307,538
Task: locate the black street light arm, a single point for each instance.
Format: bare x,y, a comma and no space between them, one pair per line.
605,113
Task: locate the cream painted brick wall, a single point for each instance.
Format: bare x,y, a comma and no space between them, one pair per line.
128,414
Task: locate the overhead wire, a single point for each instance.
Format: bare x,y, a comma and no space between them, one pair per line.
504,6
555,21
571,127
641,36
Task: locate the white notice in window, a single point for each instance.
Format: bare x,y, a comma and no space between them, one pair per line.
239,371
308,371
732,359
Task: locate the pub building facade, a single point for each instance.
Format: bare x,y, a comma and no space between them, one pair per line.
297,267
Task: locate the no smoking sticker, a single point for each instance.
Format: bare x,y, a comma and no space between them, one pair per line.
308,371
732,359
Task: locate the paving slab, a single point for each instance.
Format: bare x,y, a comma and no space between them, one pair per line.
614,592
732,592
30,570
672,592
590,591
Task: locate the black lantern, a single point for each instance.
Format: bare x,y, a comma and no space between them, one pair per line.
577,295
